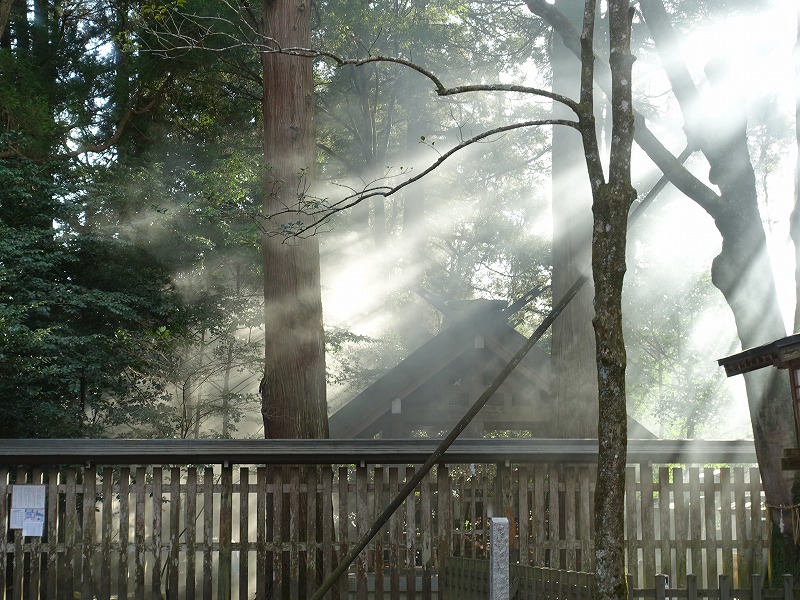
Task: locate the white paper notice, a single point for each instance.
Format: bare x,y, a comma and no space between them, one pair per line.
27,509
34,522
27,496
17,518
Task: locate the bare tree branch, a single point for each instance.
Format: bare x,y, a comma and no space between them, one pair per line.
328,210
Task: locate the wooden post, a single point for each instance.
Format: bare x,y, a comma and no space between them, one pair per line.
89,534
208,532
261,533
106,533
173,558
661,586
36,549
362,524
156,537
124,531
244,534
191,531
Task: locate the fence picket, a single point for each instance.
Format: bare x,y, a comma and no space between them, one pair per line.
344,522
681,523
124,533
665,530
208,532
158,515
89,535
191,531
712,572
70,531
36,549
380,538
648,524
362,524
312,504
243,578
173,552
695,521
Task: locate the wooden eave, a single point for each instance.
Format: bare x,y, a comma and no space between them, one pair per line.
779,353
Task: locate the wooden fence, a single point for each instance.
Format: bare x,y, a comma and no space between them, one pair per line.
468,579
144,521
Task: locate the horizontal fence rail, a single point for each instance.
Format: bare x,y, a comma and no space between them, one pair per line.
176,527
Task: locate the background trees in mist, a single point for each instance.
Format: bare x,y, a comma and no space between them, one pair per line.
181,182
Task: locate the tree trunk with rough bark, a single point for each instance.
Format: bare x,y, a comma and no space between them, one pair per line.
611,204
742,271
293,388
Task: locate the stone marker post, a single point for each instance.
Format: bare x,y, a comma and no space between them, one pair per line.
499,583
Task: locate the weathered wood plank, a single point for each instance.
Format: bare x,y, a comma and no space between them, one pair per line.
34,591
261,534
712,572
648,524
344,522
524,516
586,476
173,555
741,568
554,512
665,533
695,522
570,513
124,531
395,538
138,534
70,531
225,533
106,532
726,520
244,534
632,530
410,530
426,526
190,520
681,523
89,536
756,510
155,535
294,533
52,531
362,525
312,516
208,532
539,516
327,525
19,557
381,537
277,531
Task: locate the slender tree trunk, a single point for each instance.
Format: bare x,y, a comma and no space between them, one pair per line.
293,387
611,205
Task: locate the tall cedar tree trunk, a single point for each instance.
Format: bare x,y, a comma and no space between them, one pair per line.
742,271
293,402
611,202
575,375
